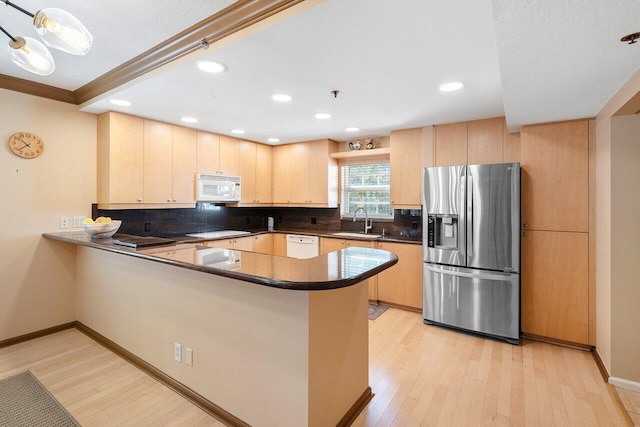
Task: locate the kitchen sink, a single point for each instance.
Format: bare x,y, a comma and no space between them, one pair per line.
357,235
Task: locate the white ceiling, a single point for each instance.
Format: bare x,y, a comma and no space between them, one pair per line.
531,61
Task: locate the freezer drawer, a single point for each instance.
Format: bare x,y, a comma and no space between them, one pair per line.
481,301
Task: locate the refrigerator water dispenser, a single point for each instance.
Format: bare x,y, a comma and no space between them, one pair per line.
442,231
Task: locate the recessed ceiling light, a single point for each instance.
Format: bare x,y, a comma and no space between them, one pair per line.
121,102
273,140
237,131
282,97
323,116
450,87
189,119
210,66
352,129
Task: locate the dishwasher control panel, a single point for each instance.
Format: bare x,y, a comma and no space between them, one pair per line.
300,246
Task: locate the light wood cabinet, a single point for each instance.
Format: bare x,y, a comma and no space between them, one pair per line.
239,244
304,174
485,141
255,170
451,144
281,180
158,183
229,156
555,285
120,160
184,165
476,142
555,176
406,168
208,152
263,243
402,284
328,244
158,161
280,244
218,154
264,156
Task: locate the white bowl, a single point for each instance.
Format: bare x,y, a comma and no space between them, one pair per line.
102,230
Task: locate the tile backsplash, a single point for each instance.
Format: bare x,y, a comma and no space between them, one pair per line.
209,217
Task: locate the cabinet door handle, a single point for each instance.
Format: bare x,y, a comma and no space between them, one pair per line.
140,199
525,225
525,234
169,200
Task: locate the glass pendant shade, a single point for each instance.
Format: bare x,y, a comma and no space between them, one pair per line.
31,55
61,30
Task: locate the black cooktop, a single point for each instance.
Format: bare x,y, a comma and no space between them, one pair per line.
140,241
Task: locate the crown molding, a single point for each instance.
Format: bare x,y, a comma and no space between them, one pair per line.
38,89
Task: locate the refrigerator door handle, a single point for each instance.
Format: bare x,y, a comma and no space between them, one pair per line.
461,232
480,275
469,216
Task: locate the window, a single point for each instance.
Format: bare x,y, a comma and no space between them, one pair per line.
365,186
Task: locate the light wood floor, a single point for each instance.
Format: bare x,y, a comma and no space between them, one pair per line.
425,375
421,375
97,387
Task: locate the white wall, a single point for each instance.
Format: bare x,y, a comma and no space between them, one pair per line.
605,283
37,276
625,247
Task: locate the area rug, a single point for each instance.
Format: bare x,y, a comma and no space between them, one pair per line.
376,310
24,401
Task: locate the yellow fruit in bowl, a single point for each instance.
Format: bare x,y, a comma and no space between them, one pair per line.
102,219
88,221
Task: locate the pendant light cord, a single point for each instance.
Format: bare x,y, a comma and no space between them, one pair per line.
8,35
8,3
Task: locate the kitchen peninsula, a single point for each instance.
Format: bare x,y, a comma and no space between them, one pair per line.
275,340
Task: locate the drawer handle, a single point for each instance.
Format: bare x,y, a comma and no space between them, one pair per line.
525,225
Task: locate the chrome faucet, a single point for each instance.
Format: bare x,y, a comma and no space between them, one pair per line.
368,224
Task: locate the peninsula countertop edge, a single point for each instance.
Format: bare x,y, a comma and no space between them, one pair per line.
333,270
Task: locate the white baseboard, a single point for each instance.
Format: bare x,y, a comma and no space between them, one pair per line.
626,384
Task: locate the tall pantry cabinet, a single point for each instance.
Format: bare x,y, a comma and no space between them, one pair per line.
557,292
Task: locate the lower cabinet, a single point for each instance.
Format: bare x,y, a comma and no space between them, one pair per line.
280,244
263,243
402,284
328,244
555,285
240,244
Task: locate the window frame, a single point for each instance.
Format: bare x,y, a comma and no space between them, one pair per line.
359,162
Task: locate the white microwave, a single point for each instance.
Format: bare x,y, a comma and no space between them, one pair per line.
217,188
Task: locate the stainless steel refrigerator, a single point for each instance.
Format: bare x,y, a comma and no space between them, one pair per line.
471,229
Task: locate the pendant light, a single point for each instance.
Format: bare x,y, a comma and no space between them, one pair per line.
58,29
31,55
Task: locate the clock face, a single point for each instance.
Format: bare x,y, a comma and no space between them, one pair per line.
26,145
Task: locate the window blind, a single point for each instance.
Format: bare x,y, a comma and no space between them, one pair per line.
366,186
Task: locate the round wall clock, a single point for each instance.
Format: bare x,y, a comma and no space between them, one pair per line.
26,145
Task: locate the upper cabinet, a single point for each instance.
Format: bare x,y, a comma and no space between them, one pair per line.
134,156
405,159
120,159
485,140
555,176
304,174
451,144
475,142
255,170
218,154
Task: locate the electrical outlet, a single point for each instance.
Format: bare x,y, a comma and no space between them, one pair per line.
188,356
177,352
77,221
64,222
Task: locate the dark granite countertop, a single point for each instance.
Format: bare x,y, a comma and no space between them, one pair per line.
415,240
330,271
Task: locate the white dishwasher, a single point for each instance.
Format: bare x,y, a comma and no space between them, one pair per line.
302,246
